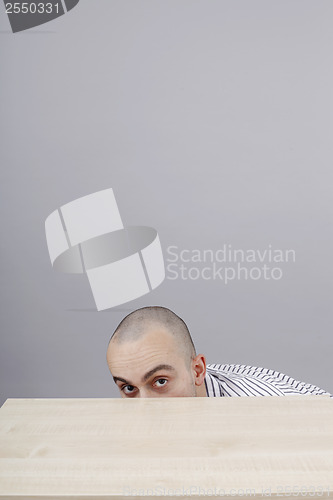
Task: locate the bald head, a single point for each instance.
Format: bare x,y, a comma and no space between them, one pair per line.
138,323
151,354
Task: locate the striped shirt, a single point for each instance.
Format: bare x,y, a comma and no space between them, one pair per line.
244,380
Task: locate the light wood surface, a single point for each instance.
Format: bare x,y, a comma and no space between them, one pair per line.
238,447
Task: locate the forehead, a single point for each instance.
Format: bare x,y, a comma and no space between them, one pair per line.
134,357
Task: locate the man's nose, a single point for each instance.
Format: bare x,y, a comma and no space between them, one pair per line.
144,393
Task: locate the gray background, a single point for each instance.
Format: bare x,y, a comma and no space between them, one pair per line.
212,122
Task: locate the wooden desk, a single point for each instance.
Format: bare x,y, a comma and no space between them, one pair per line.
172,447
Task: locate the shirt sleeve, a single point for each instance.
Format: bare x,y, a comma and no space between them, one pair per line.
280,383
287,384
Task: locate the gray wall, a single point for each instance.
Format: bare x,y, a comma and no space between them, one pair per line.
212,122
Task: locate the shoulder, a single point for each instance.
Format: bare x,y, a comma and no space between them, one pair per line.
281,383
239,369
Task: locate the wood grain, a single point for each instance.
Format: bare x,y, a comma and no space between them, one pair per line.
173,447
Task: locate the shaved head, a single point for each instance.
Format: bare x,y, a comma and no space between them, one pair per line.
138,323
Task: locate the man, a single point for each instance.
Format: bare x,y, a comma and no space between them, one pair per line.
151,354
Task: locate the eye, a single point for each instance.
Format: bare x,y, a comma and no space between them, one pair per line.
161,382
129,390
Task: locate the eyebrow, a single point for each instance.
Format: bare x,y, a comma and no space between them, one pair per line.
148,374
